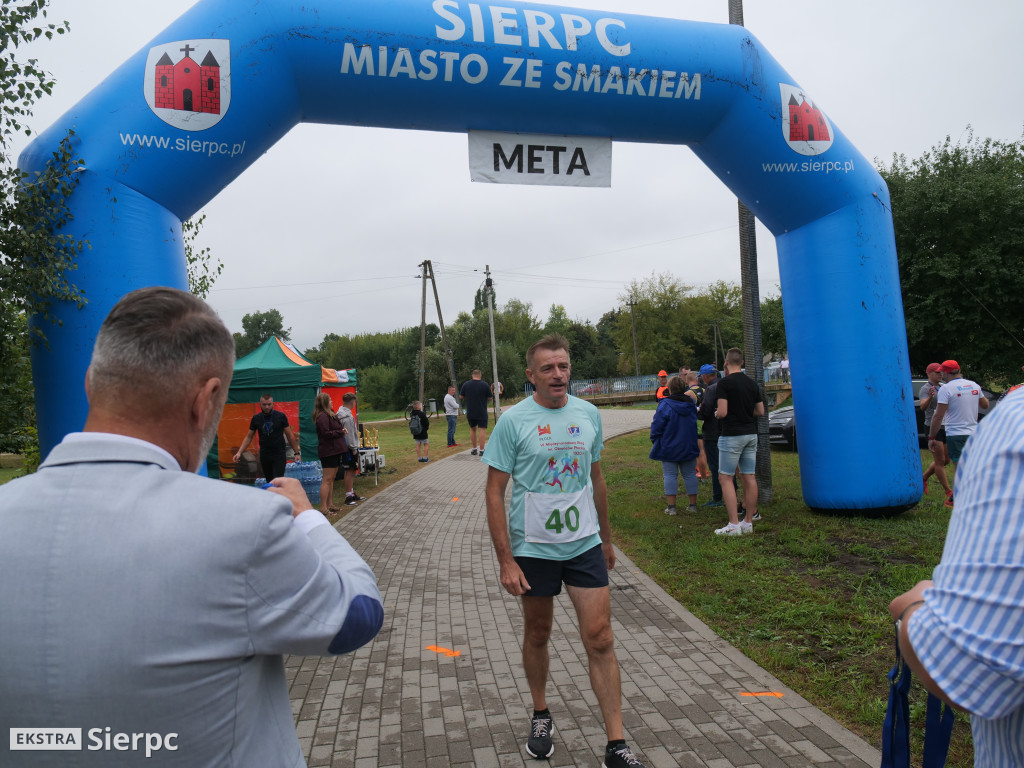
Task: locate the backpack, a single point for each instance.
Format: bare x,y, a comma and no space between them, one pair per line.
415,424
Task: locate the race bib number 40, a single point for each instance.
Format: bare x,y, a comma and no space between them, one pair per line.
559,518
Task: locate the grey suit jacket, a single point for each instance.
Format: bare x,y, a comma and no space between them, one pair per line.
144,599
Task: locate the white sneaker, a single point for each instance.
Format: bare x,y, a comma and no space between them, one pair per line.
746,528
671,510
730,530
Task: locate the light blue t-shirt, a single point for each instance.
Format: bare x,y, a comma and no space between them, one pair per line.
548,453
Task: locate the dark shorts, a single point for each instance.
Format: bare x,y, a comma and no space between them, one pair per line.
349,460
331,462
955,445
588,570
482,423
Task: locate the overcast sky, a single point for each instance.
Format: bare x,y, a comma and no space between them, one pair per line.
329,226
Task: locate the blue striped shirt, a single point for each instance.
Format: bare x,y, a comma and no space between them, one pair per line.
969,634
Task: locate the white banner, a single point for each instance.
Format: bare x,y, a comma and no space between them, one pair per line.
560,161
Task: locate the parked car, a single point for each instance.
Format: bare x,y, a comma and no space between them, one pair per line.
782,421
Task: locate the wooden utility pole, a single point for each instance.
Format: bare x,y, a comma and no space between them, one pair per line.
423,330
440,321
636,352
494,350
753,355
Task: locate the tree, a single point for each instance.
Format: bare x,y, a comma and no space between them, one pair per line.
257,328
480,298
35,257
558,320
773,326
958,212
201,273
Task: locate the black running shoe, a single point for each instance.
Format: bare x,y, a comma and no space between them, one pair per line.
621,757
539,744
355,497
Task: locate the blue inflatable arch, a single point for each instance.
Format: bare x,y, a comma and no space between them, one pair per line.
211,93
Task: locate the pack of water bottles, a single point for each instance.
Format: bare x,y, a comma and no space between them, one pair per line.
309,473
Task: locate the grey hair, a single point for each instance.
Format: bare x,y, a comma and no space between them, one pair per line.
159,340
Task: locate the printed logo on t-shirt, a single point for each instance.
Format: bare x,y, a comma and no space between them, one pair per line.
543,430
570,465
574,430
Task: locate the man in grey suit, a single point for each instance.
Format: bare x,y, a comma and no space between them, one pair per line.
146,606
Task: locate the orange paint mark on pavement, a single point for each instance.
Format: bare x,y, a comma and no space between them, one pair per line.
446,651
456,498
775,694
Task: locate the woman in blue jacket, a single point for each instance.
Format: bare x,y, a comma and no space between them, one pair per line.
674,434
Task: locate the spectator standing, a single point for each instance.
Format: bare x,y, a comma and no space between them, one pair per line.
960,633
674,434
662,389
957,411
350,462
330,447
696,391
419,426
538,548
477,394
162,602
451,415
739,405
927,402
273,428
709,433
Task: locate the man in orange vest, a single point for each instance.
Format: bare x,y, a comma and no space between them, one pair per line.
662,390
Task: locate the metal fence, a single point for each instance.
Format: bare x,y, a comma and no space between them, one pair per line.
609,386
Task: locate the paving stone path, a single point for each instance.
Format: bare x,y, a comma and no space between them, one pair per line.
442,684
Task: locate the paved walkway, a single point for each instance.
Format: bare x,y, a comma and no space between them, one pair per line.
442,684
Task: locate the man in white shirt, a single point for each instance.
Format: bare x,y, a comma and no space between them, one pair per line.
959,400
451,413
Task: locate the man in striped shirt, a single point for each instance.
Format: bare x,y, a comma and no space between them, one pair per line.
962,634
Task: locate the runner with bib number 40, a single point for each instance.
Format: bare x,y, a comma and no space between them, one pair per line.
556,530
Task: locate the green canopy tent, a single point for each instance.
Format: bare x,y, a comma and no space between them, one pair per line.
274,368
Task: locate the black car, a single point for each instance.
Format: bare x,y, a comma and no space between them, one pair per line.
782,421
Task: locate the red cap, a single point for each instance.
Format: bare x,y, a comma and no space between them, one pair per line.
662,373
932,367
948,366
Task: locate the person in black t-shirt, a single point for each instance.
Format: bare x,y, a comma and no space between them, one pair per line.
420,426
477,393
273,428
739,403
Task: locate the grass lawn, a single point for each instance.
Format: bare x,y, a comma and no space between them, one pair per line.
806,597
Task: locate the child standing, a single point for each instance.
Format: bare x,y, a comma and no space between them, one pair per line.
419,426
